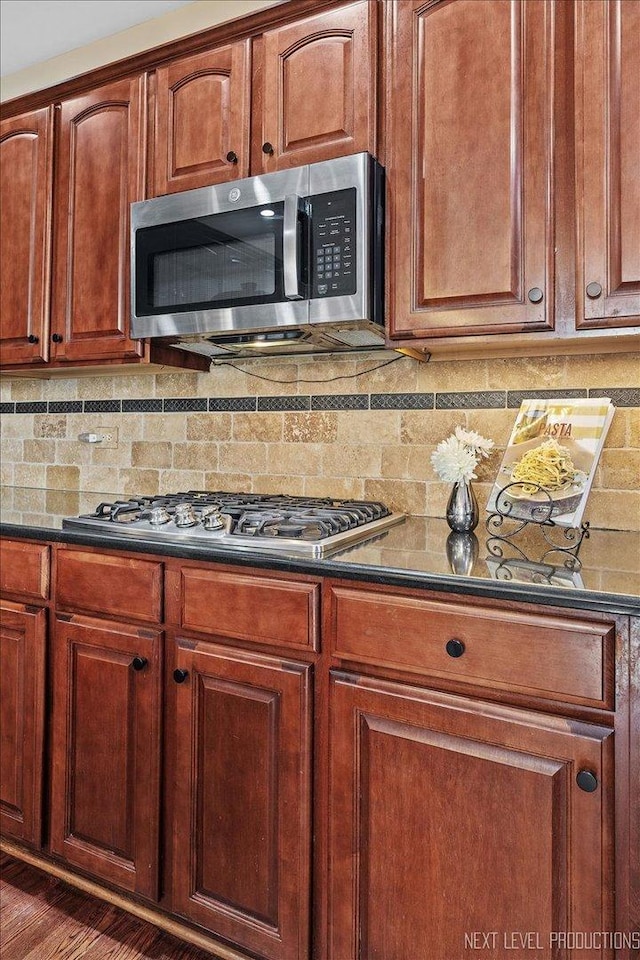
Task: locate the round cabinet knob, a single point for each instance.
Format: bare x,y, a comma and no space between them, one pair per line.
139,663
180,675
594,290
32,338
587,781
267,147
232,157
535,295
455,648
56,337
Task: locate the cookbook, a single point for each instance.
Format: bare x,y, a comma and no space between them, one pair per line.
550,460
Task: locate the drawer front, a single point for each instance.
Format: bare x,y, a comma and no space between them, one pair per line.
544,656
120,587
24,568
254,608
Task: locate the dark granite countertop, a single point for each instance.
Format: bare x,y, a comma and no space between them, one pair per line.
417,553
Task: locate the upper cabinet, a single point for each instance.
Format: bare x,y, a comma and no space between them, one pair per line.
608,162
202,119
317,97
25,208
100,171
470,167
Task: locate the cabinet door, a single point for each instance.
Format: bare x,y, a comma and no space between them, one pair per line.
242,803
202,119
450,818
22,695
317,98
608,162
25,204
469,170
106,751
100,163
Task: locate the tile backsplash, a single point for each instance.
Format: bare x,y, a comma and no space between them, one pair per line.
360,426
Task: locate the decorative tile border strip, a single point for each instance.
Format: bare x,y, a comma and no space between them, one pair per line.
471,400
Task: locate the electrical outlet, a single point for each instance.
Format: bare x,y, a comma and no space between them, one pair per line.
109,438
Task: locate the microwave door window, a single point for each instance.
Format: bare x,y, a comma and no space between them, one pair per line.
212,262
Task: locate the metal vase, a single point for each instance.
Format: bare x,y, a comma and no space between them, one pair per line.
462,552
462,509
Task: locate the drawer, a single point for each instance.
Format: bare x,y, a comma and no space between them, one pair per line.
121,587
246,607
543,656
24,568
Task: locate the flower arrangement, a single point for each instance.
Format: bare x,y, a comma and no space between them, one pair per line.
456,458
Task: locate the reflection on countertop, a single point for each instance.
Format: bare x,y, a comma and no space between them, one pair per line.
420,551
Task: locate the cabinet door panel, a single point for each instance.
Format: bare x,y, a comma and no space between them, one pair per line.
25,205
318,99
608,162
22,695
106,754
99,173
470,167
202,114
243,768
449,817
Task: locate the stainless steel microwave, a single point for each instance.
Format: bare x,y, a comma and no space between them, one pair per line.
284,263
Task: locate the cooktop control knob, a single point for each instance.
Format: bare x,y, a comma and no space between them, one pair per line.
184,515
212,519
158,515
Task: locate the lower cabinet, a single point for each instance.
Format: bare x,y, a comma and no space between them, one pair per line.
242,773
453,819
22,703
105,774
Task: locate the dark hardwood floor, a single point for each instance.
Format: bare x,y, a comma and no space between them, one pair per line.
42,918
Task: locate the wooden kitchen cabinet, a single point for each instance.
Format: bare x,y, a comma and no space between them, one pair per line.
100,171
25,235
608,163
202,119
241,831
470,167
449,816
105,774
23,655
316,94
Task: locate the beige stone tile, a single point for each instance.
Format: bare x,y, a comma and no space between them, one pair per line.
295,459
144,482
24,390
244,458
429,426
223,381
181,480
341,488
63,478
230,482
72,452
398,375
39,451
257,426
155,454
368,426
447,376
405,496
437,497
5,389
294,486
195,456
17,426
633,429
419,463
604,370
11,450
209,426
130,426
322,376
100,479
96,388
620,469
49,425
121,457
314,426
7,474
495,425
273,378
619,429
351,460
135,386
170,427
528,373
395,462
176,385
61,388
614,509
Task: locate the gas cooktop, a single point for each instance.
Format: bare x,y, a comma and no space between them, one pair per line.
272,523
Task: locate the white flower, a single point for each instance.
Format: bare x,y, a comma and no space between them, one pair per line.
453,461
477,443
456,458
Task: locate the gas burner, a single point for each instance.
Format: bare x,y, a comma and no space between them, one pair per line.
273,523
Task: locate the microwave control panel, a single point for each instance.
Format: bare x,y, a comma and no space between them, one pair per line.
333,243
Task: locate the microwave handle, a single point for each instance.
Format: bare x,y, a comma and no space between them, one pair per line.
290,247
